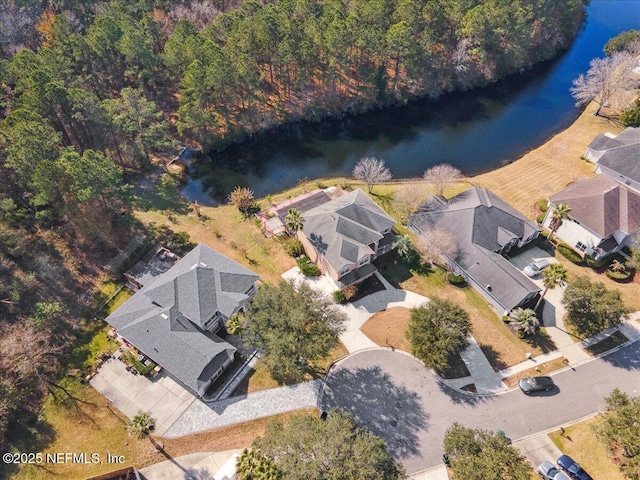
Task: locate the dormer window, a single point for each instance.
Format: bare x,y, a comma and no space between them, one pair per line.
344,270
363,261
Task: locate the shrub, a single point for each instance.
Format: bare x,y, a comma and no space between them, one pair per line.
307,268
618,275
338,296
540,218
567,252
631,116
543,205
593,263
455,279
293,247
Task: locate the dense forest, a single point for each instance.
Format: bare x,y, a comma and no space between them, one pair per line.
93,92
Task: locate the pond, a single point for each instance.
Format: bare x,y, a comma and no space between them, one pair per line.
476,131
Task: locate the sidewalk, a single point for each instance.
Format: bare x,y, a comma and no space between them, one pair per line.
195,465
484,376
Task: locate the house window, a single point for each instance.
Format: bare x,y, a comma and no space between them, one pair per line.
363,261
581,246
344,271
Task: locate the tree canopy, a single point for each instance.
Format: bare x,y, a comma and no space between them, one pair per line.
308,448
438,330
292,328
592,307
618,429
483,455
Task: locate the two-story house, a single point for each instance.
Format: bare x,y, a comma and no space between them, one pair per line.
344,235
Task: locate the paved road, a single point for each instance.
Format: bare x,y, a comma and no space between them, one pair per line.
402,402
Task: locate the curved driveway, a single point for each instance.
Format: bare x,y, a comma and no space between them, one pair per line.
400,400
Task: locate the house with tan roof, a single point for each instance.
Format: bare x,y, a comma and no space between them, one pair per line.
174,316
344,235
604,217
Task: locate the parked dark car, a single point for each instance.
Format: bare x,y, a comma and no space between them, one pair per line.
536,384
574,470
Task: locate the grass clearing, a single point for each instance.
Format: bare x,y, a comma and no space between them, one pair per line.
543,369
581,444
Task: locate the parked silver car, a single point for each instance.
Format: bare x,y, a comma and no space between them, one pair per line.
534,269
548,471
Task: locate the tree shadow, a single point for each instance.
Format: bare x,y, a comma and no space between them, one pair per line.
26,435
627,357
391,411
541,340
494,357
461,398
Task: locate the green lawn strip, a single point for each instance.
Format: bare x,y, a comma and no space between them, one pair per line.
580,443
540,369
614,340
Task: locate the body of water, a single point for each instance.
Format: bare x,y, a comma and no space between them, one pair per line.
476,131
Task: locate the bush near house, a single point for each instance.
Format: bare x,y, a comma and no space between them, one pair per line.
338,296
567,252
618,275
540,218
307,268
543,205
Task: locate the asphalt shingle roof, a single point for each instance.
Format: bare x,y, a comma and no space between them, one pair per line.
601,204
165,319
482,223
622,154
342,230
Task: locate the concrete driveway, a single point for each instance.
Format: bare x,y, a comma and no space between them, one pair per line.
161,395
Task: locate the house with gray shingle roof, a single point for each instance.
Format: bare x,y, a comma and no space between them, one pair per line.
485,228
344,235
604,217
173,318
618,156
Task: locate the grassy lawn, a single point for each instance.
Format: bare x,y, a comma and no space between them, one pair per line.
550,167
580,443
502,347
223,228
388,327
612,341
543,369
122,296
260,378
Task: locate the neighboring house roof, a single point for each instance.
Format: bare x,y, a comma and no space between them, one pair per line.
343,229
166,318
601,204
303,203
482,224
622,154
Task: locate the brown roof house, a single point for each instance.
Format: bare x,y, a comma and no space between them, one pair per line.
485,229
173,316
618,156
344,235
604,217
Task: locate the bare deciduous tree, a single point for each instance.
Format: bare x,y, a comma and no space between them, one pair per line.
371,170
436,243
604,77
407,198
441,176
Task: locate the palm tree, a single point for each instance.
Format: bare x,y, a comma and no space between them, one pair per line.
403,247
552,276
559,213
252,464
141,425
294,221
525,320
